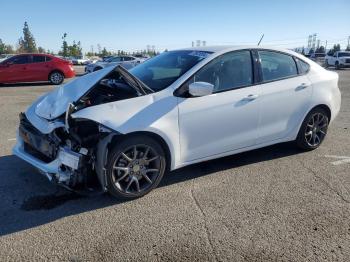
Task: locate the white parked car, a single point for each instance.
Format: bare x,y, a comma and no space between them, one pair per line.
128,128
80,60
340,59
125,61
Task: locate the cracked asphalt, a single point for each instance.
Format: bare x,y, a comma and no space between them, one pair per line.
271,204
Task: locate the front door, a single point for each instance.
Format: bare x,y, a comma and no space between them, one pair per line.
225,120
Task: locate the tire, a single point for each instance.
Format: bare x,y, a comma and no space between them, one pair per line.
56,78
313,129
131,176
97,68
337,67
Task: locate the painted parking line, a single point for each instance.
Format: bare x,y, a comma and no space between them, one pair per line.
11,139
342,159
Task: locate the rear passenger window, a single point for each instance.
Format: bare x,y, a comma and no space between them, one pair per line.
303,67
276,65
229,71
38,58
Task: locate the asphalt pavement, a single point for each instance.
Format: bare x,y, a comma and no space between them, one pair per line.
272,204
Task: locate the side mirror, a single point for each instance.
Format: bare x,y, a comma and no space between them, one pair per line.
200,89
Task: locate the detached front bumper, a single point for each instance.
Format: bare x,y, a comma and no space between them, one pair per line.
58,170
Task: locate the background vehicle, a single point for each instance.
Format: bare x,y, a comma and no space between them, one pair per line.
127,127
79,60
35,67
126,61
319,58
340,59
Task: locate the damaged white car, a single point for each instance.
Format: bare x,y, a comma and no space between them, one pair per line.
127,128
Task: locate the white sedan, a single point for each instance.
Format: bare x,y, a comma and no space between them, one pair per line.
127,128
125,61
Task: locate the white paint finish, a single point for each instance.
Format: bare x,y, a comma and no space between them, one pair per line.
218,123
283,104
342,159
55,103
156,113
206,127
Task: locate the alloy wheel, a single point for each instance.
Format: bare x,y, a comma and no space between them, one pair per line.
56,78
316,129
136,169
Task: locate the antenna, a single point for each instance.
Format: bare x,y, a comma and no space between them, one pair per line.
261,39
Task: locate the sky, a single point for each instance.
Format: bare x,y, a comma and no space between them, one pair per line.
131,25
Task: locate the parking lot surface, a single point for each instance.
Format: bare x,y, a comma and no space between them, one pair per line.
276,203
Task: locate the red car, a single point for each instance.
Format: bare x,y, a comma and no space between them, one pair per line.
35,67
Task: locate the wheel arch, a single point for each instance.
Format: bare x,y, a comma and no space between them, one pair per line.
56,70
162,141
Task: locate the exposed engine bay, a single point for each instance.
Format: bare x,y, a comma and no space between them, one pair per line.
80,145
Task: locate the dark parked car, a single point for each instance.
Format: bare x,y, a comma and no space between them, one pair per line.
35,67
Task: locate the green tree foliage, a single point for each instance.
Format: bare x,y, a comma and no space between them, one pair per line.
6,49
335,48
70,50
64,51
41,50
26,44
321,49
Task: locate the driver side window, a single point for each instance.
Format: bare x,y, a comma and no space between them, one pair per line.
229,71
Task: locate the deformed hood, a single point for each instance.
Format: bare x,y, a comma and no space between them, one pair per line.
55,103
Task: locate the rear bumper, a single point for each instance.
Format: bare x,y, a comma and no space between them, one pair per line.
69,72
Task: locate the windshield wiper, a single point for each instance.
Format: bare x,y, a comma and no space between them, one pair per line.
134,81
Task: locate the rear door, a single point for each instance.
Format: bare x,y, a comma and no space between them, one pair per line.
40,68
285,95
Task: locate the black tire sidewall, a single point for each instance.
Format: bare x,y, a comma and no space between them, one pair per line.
120,147
301,141
55,72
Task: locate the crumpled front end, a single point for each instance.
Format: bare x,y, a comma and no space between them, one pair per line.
48,153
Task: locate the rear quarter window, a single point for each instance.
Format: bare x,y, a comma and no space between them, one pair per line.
303,67
275,65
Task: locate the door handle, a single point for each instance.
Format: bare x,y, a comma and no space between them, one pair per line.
301,87
251,97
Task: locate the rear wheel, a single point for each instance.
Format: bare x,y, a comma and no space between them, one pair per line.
313,130
56,78
135,167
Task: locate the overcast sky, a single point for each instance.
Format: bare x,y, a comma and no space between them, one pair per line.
133,24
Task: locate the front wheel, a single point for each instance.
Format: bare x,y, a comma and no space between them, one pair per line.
135,167
326,65
313,130
337,66
56,78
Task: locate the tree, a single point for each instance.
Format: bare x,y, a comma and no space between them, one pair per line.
64,51
335,48
104,52
320,49
26,44
2,47
347,48
41,50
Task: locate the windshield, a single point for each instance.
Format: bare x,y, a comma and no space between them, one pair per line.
114,59
341,54
164,69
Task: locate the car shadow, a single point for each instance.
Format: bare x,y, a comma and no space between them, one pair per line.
28,200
